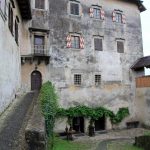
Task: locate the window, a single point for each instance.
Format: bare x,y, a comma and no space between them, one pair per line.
96,13
10,19
77,79
75,42
98,44
16,30
118,16
97,80
40,4
39,42
74,8
120,46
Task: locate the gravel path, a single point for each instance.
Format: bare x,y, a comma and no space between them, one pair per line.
13,122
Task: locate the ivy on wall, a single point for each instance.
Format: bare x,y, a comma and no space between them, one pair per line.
93,113
48,100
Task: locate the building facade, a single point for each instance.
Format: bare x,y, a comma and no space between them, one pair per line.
13,22
86,48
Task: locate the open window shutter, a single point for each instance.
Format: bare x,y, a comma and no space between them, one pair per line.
123,18
102,14
69,41
81,42
91,12
114,16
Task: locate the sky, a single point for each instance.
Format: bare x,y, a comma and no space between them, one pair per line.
145,18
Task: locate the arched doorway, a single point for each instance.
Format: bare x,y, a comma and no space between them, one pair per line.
36,80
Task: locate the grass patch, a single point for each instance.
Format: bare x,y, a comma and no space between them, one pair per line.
60,144
122,146
147,133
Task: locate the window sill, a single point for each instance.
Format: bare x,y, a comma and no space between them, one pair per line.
37,9
75,16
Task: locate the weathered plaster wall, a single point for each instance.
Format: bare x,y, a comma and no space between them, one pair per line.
143,105
9,61
118,86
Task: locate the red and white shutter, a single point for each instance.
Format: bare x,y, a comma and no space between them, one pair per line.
81,42
114,16
68,41
91,12
123,18
102,13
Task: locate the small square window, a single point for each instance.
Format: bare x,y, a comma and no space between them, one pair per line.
97,80
96,13
74,8
119,17
77,79
98,44
75,42
120,46
40,4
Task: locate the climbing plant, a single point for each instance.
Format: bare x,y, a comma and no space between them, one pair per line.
48,101
93,113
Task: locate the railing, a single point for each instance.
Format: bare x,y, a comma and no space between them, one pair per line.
40,50
143,82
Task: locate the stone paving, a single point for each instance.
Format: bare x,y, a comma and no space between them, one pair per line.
101,140
13,122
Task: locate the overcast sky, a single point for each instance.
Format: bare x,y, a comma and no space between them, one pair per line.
145,16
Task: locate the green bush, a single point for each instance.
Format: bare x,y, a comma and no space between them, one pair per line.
48,101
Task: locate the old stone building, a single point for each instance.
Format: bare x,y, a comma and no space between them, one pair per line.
14,16
86,48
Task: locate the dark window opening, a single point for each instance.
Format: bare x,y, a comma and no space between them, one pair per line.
100,124
96,13
39,44
74,9
98,44
78,124
77,79
16,31
75,42
40,4
10,19
97,80
120,46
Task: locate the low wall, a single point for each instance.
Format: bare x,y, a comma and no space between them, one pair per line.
35,132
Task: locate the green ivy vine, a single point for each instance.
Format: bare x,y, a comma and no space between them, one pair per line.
48,101
93,113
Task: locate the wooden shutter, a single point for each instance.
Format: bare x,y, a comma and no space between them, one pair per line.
68,41
114,16
98,44
81,42
102,13
120,46
123,18
91,12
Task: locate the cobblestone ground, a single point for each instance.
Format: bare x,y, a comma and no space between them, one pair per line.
13,122
100,141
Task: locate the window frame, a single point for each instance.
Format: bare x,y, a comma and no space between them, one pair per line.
36,47
123,42
79,8
98,38
76,43
118,17
40,8
95,16
77,79
98,81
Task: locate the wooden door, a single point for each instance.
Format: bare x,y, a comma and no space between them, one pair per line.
36,80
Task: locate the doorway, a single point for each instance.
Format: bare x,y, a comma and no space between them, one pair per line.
100,124
36,80
78,124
